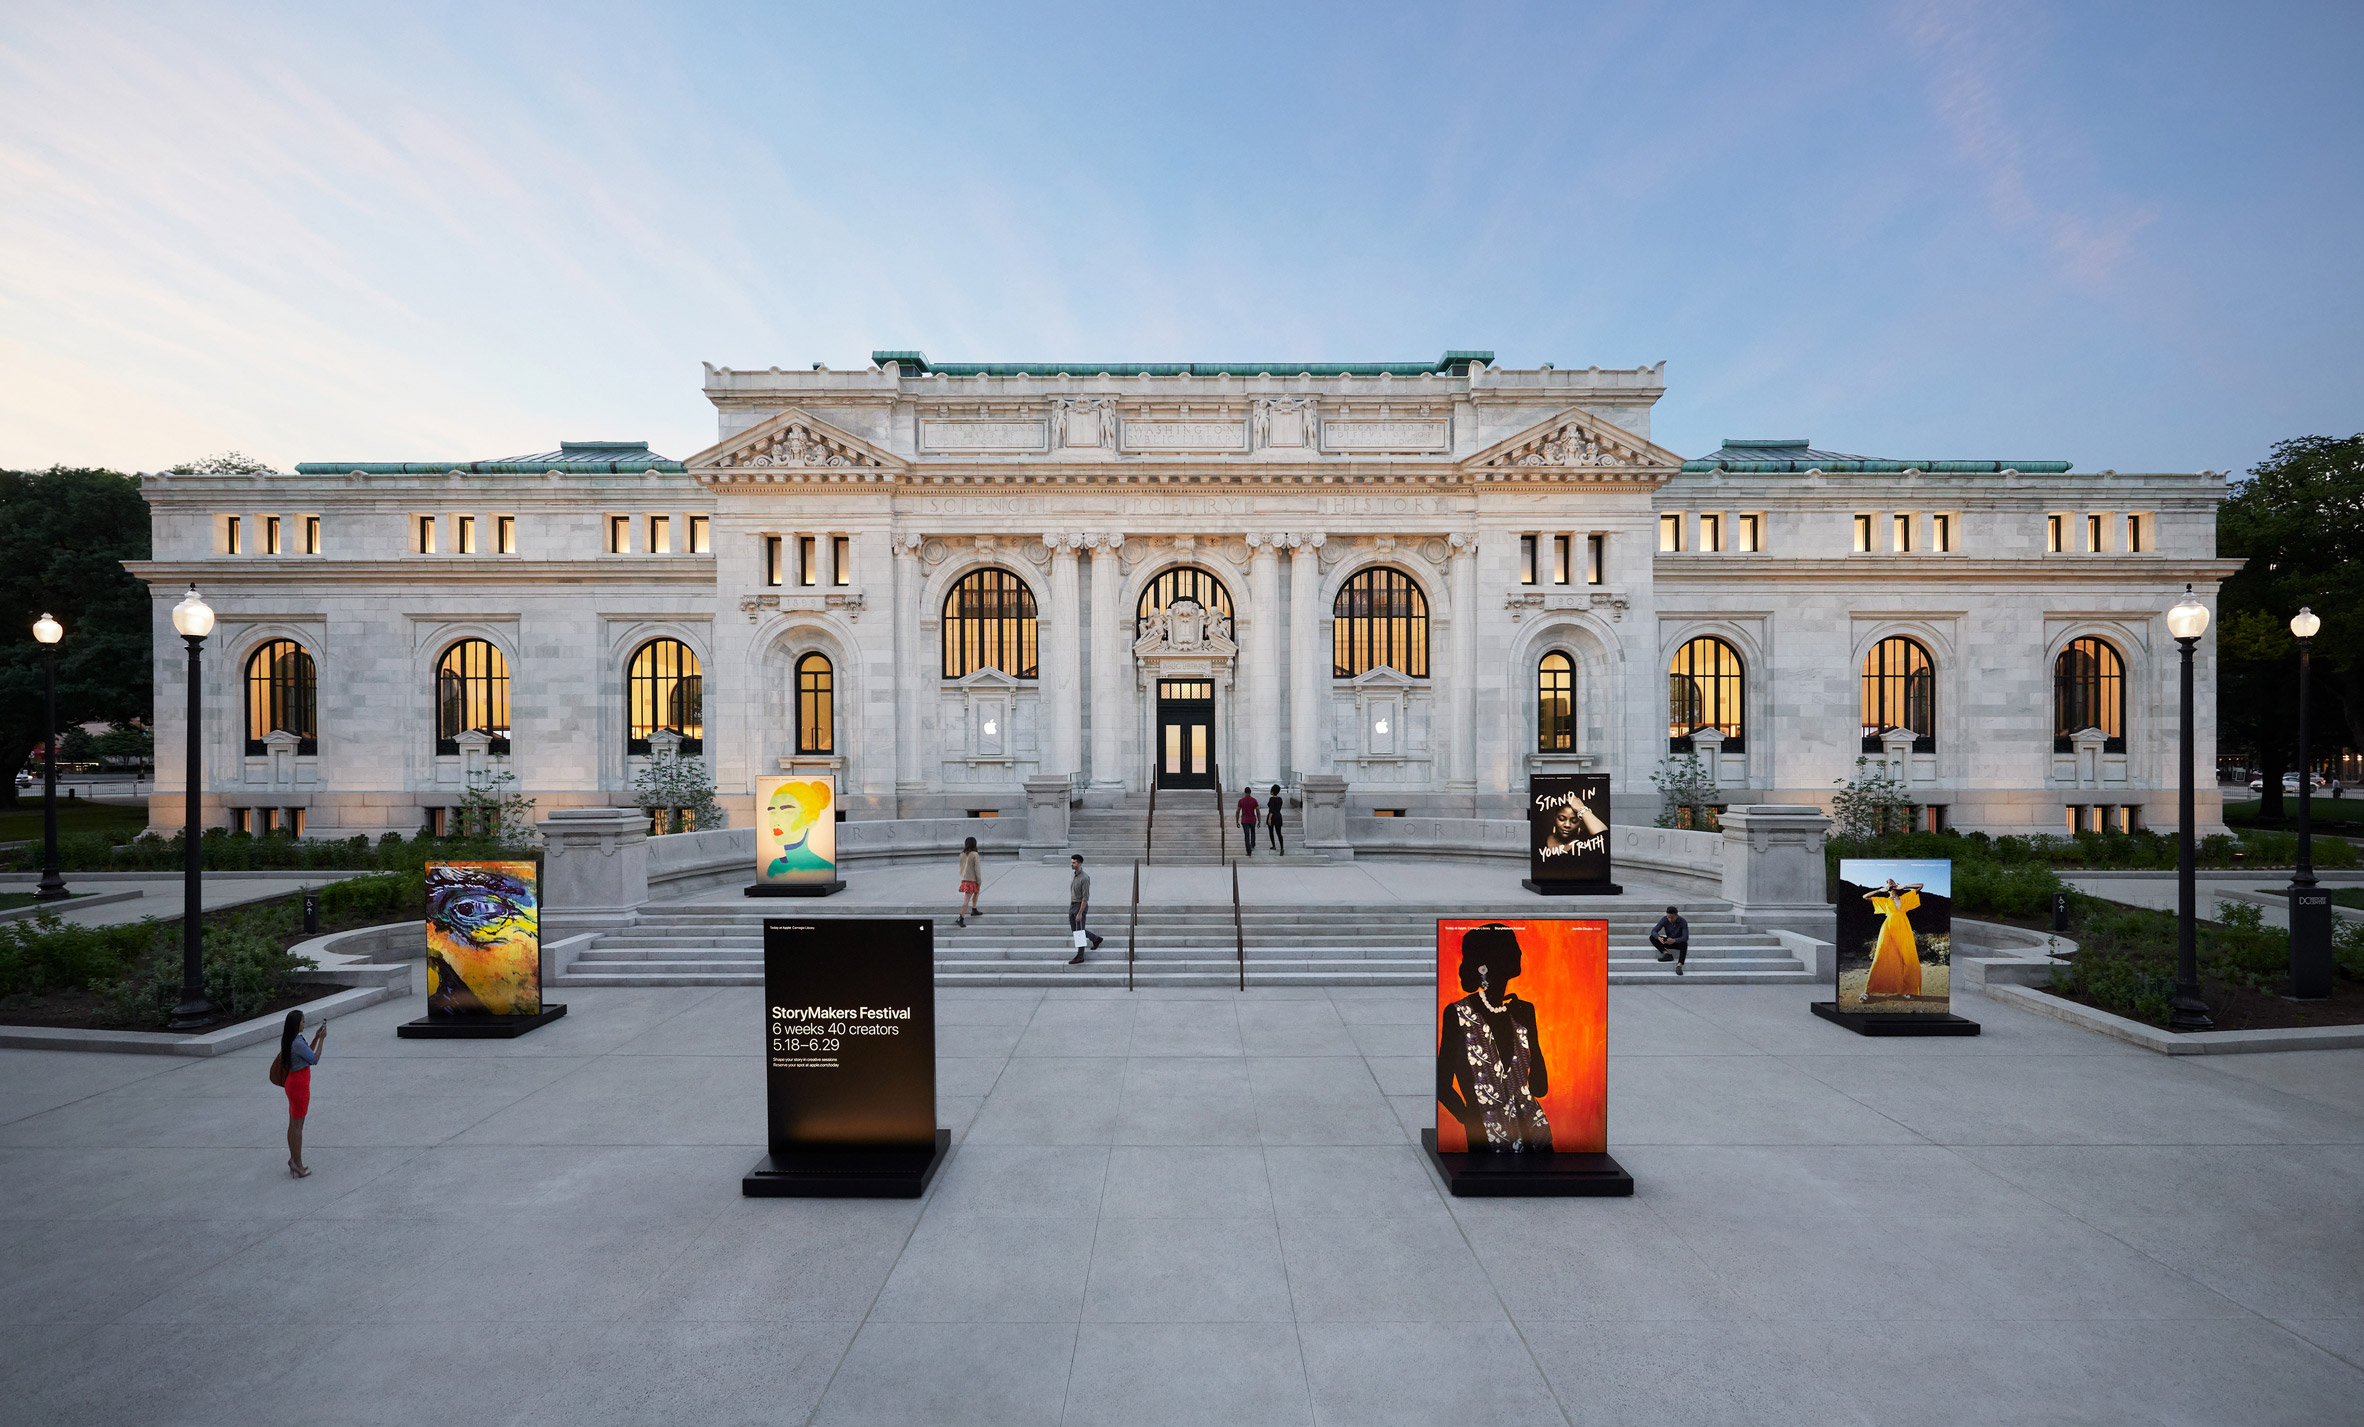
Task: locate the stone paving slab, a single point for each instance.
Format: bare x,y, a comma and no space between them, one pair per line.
1188,1207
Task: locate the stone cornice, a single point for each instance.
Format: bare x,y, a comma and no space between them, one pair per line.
1870,571
444,570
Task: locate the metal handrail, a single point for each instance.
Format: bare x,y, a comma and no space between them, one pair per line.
1239,935
1222,829
1133,932
1149,828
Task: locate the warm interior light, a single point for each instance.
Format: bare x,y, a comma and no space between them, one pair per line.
2188,620
2303,624
49,631
193,617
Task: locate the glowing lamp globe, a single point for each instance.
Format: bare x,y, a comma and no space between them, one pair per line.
48,630
2303,624
193,617
2188,620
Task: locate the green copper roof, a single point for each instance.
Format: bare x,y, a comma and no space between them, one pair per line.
1451,363
571,457
1793,454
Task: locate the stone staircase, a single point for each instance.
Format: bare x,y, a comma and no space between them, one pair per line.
721,944
1191,831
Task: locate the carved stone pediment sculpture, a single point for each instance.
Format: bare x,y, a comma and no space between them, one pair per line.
1185,627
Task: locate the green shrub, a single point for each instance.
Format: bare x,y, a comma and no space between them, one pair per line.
46,953
2118,984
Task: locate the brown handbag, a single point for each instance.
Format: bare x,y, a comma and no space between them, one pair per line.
279,1071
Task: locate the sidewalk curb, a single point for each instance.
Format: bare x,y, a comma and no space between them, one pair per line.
2170,1043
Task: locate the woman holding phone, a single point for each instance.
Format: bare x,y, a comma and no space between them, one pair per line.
295,1063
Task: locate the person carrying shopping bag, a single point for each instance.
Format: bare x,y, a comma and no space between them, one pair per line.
1079,907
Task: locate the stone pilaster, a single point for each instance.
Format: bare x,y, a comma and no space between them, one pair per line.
912,698
1309,659
1112,641
1061,661
1263,763
1462,692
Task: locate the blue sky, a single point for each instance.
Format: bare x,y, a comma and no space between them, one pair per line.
2126,236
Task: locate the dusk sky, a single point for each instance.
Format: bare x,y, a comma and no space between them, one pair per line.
2125,236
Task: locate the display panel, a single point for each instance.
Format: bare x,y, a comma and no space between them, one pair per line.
1895,950
484,939
1522,1036
850,1034
796,829
1568,828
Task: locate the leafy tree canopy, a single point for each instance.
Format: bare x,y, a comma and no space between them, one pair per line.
71,531
224,463
2299,523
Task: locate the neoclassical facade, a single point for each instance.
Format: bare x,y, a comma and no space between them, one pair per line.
942,580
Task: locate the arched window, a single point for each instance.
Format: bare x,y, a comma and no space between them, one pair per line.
471,693
1381,618
989,623
282,692
1555,704
2089,691
816,707
1184,582
1705,688
665,687
1899,691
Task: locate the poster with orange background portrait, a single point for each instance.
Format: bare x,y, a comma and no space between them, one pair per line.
1563,976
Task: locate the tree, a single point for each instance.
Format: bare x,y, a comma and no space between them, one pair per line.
70,531
2298,522
224,463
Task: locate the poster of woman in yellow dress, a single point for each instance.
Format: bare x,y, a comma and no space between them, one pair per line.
1895,935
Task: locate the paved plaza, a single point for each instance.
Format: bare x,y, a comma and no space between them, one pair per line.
1184,1208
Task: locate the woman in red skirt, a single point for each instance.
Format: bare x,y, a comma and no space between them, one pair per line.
299,1059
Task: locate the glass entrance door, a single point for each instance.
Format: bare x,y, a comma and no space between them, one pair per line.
1185,733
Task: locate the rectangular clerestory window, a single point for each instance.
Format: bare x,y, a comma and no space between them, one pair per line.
660,535
270,534
1711,533
233,536
1863,534
426,535
841,559
311,534
1527,559
808,565
1904,535
1670,532
1747,536
2055,534
1596,559
1941,534
504,535
772,574
1561,563
2135,531
619,535
701,539
465,531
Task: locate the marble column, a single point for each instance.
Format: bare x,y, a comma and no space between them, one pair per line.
1263,763
1112,642
912,702
1309,657
1463,693
1061,651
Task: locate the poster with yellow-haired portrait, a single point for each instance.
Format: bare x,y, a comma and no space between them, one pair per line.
795,829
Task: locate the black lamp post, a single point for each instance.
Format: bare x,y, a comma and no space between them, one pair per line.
53,883
194,619
2187,622
2310,906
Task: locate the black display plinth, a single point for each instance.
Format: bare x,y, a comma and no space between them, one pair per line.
846,1174
476,1028
1572,889
1494,1175
1896,1023
793,889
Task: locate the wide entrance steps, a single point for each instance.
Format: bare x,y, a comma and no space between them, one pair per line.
1191,831
719,944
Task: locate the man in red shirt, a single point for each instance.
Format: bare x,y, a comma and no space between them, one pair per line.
1247,818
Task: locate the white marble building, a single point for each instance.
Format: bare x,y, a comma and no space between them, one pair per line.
944,580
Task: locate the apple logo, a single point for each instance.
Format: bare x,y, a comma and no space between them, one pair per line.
1380,727
991,728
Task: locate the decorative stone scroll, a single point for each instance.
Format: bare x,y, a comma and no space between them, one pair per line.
1572,443
797,445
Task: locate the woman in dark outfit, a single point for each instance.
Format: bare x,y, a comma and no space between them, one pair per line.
1489,1066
